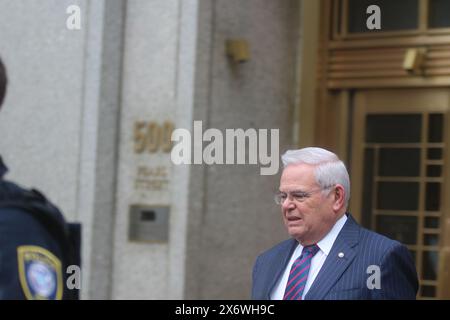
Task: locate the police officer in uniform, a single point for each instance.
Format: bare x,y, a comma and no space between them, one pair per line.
37,246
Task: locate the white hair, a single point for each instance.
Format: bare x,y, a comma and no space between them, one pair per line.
329,169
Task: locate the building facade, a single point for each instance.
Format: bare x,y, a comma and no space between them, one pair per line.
97,87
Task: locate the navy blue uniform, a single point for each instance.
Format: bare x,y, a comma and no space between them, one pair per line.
36,245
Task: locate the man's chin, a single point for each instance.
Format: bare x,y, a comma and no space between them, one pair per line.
296,232
295,225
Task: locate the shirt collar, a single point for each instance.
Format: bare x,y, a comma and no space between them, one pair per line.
327,242
3,168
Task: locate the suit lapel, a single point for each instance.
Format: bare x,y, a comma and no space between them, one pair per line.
279,265
336,263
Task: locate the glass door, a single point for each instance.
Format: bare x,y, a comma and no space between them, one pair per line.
399,171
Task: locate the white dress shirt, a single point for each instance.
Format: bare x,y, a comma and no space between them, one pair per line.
317,261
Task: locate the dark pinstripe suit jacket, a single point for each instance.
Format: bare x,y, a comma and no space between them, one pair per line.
347,277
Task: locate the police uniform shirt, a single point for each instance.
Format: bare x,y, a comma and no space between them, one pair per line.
30,258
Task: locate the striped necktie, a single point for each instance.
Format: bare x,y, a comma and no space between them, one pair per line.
299,273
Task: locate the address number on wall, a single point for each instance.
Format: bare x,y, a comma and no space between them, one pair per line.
152,137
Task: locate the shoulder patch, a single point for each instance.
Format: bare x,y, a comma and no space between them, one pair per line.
40,273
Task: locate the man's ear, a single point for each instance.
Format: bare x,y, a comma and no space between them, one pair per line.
338,197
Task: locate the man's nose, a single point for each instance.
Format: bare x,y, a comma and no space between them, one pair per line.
288,203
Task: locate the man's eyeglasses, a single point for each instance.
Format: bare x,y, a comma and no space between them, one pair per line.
298,196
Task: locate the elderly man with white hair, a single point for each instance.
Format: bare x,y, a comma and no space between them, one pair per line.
329,256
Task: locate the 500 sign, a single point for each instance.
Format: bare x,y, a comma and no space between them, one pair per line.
152,137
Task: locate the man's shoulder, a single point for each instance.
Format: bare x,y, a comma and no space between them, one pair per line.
27,211
283,246
375,241
15,196
9,189
10,195
16,216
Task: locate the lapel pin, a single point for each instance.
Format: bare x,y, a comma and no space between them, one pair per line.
341,255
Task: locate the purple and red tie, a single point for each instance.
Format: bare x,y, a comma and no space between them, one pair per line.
299,273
